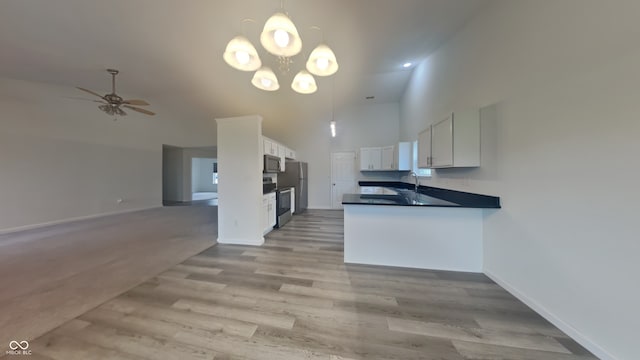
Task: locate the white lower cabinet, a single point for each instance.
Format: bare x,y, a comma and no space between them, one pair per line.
268,212
293,200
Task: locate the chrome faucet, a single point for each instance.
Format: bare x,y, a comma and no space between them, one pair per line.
416,183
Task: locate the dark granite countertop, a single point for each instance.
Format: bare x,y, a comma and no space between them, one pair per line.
426,196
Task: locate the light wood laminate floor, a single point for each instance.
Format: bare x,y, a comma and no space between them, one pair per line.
51,275
294,298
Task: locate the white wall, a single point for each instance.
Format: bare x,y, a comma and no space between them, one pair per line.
240,180
558,84
357,126
202,171
61,158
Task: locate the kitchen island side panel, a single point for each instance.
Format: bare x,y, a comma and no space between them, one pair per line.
437,238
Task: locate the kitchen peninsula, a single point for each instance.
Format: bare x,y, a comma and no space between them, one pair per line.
432,228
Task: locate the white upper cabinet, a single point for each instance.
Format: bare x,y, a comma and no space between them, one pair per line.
387,158
270,147
442,143
370,159
451,142
424,148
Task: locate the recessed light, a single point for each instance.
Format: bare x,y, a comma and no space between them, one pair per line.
406,65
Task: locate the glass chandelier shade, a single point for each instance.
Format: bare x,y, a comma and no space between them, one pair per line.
280,36
265,79
304,83
242,55
322,61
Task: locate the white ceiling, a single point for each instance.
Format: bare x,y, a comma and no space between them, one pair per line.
172,50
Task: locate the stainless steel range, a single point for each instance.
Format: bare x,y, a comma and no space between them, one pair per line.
283,202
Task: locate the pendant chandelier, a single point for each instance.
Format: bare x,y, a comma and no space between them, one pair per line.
281,39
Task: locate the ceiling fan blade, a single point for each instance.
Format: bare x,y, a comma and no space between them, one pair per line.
144,111
89,91
137,102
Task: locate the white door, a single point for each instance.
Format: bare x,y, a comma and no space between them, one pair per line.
343,176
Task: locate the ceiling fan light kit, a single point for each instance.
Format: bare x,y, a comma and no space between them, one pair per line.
280,38
111,102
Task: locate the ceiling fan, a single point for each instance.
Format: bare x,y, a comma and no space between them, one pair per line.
111,102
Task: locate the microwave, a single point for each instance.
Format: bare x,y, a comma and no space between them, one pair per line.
271,164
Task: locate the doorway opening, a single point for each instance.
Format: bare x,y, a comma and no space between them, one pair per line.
188,175
204,179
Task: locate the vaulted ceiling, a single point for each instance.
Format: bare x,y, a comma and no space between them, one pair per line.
172,50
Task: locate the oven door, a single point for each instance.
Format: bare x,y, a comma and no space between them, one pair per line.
283,200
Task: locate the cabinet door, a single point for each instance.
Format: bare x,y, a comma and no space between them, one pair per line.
442,143
265,214
272,211
266,146
365,159
387,158
293,200
282,153
424,149
376,158
371,159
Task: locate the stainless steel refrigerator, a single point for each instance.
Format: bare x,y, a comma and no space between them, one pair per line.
296,175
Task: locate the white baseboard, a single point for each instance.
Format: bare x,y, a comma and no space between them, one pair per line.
596,349
69,220
321,208
252,242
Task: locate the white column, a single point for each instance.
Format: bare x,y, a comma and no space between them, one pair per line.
240,180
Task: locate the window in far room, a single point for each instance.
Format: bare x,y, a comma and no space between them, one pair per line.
215,173
414,166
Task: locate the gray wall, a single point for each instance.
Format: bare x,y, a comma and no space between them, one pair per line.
172,173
